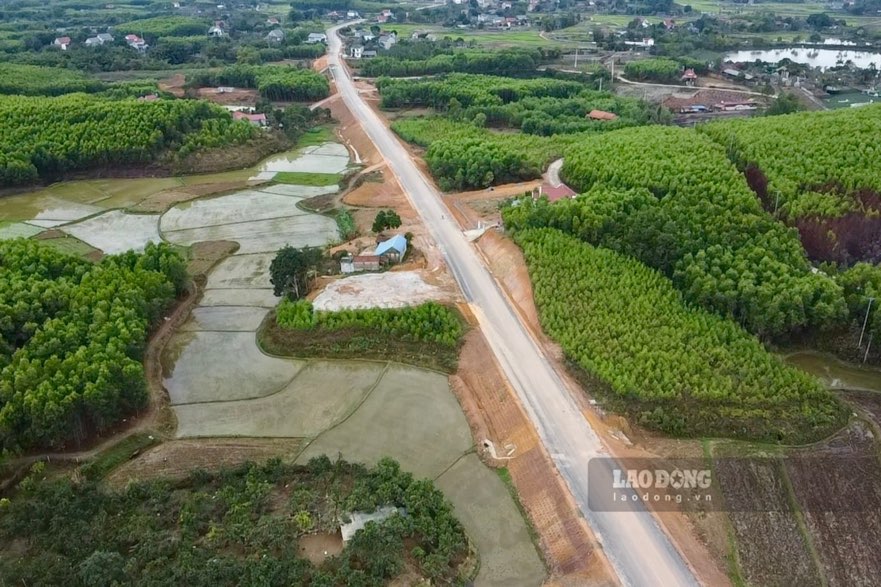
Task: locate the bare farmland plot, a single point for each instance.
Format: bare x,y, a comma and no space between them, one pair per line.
770,547
411,416
848,539
494,523
116,232
318,397
222,366
393,289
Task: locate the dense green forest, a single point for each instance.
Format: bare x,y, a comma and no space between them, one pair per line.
273,82
429,322
241,526
819,171
470,90
671,367
472,61
72,336
31,80
659,70
42,138
670,198
462,155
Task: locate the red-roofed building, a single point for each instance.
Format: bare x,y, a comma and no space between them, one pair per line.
601,115
553,193
148,98
689,77
62,42
255,119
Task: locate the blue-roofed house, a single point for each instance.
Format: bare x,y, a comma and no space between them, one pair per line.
392,250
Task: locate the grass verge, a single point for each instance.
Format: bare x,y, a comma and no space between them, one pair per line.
505,475
354,343
110,458
307,178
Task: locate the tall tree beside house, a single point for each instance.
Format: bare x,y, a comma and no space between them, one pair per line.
386,219
291,268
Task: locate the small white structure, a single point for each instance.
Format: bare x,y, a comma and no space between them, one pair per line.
388,41
316,38
93,42
62,42
275,36
360,519
215,32
355,51
105,38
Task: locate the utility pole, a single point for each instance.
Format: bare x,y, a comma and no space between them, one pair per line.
865,321
576,57
868,346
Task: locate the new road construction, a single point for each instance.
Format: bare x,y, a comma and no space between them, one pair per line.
636,546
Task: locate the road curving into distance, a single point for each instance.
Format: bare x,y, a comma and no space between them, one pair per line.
638,549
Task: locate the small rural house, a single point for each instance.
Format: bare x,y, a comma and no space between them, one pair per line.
388,41
355,51
216,31
272,21
689,77
601,115
105,38
352,14
255,119
368,53
93,42
316,38
62,42
392,250
366,262
553,193
275,36
359,519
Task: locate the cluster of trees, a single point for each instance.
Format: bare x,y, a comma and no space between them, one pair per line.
670,198
659,70
240,526
31,80
548,116
674,368
462,155
476,62
274,82
72,336
292,270
470,89
385,219
42,138
429,322
829,152
819,171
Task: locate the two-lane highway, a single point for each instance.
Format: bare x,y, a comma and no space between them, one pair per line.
637,548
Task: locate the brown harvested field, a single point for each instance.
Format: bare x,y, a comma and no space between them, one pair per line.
238,97
847,540
350,131
771,548
162,201
176,458
205,255
494,413
870,401
174,85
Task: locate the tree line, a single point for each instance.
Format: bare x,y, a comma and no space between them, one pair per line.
277,83
428,322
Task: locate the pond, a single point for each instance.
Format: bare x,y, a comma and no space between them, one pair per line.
813,56
835,373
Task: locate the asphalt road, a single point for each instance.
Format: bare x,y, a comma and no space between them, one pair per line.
637,548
